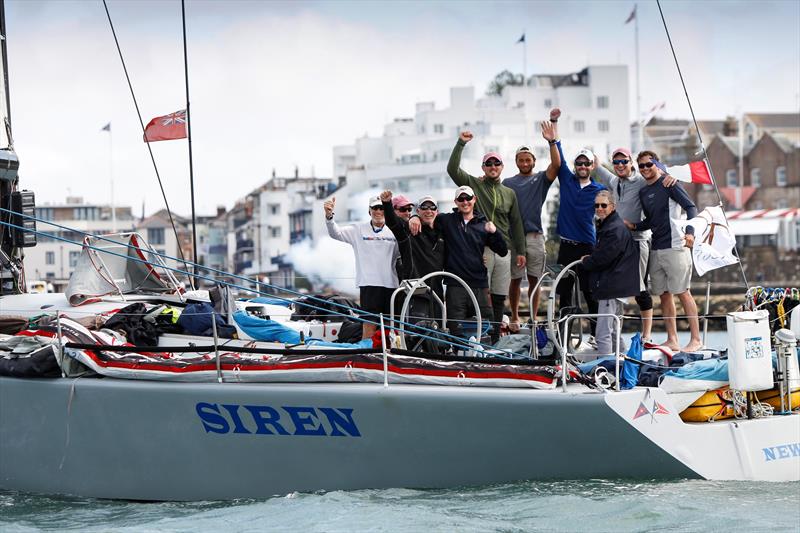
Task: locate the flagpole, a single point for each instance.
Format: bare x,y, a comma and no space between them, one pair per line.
111,177
640,140
189,137
525,81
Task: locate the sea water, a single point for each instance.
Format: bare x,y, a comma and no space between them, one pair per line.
568,506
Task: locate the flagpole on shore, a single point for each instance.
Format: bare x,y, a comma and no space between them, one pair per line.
189,138
640,129
107,128
525,82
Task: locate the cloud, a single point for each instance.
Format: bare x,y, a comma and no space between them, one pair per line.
278,84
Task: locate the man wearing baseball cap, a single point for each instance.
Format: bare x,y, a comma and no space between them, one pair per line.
531,190
424,252
499,204
576,218
626,183
375,250
467,233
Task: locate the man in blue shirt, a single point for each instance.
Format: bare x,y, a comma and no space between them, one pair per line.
670,262
576,219
531,190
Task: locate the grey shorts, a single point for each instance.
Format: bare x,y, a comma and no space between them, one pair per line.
670,271
499,269
644,258
535,256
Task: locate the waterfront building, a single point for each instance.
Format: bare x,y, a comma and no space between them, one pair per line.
411,155
52,259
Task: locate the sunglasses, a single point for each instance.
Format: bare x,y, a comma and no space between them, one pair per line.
621,161
377,208
646,165
427,208
583,163
600,206
493,163
406,209
464,198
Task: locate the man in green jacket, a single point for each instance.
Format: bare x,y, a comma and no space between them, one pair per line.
499,204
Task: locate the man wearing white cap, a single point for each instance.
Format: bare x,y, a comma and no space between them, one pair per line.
499,204
576,218
376,252
531,190
466,233
424,252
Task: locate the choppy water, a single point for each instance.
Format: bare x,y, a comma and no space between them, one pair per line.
530,506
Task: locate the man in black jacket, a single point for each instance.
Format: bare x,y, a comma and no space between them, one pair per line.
613,267
422,253
466,233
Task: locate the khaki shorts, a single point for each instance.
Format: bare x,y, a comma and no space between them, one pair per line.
499,269
535,256
670,271
644,258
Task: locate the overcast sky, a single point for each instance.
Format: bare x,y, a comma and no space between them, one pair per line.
277,84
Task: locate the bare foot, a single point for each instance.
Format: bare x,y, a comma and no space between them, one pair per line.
693,346
513,326
674,346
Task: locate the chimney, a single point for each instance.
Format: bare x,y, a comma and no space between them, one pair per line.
731,127
220,210
273,172
296,172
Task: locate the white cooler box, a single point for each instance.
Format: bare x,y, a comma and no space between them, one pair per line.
749,351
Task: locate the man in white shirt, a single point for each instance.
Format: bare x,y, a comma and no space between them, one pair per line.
376,253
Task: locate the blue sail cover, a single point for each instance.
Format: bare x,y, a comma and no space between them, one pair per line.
269,330
630,368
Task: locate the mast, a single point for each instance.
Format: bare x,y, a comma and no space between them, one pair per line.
6,94
189,138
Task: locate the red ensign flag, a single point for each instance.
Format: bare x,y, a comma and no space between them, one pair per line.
166,128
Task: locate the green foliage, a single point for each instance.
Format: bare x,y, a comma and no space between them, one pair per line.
503,80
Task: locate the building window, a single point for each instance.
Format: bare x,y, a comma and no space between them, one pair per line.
155,235
579,126
50,258
275,231
730,178
438,128
50,275
781,203
548,103
602,102
274,209
602,125
73,258
780,176
755,177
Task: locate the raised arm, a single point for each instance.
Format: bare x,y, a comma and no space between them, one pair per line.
602,175
550,134
458,176
393,222
345,234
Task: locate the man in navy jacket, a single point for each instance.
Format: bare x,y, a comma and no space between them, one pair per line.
613,267
466,233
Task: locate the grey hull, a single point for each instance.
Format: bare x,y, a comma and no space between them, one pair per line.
144,440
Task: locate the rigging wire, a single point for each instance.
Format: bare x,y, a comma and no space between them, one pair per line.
700,138
413,329
149,148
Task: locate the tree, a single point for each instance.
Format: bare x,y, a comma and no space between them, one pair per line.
503,80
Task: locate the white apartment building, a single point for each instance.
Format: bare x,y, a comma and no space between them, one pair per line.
411,156
53,259
263,226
